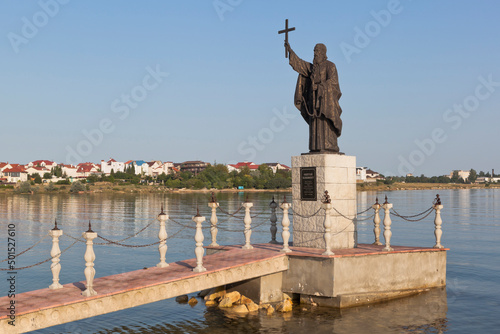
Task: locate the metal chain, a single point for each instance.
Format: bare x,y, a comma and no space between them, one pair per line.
304,216
26,250
139,246
36,264
367,218
360,213
230,214
129,237
414,220
413,216
343,214
263,211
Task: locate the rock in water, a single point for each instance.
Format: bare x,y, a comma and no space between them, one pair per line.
240,309
226,302
204,293
252,307
284,306
182,299
210,303
215,293
245,300
270,309
193,301
233,296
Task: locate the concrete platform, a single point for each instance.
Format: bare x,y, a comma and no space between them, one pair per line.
352,276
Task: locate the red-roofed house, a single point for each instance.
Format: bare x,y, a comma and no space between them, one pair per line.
112,164
237,167
15,174
42,163
85,170
275,166
37,170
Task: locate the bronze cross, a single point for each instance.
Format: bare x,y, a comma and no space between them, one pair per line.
286,30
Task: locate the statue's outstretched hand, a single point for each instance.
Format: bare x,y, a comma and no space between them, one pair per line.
287,47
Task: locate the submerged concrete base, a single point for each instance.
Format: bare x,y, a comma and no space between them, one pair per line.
346,281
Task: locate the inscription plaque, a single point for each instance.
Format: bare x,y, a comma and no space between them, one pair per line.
308,184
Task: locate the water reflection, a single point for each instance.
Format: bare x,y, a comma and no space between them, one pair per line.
422,313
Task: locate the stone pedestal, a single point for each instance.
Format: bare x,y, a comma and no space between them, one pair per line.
337,174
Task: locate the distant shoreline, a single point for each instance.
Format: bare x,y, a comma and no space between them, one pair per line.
106,187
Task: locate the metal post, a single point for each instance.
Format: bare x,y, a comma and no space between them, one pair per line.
273,205
162,235
89,262
55,267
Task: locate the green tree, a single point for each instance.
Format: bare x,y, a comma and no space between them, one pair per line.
47,176
38,179
472,176
454,177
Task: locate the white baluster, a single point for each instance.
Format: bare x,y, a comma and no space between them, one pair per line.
55,267
162,235
89,262
213,222
437,223
328,229
248,222
376,223
285,223
199,250
387,225
274,219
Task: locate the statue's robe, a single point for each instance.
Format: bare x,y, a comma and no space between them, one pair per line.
320,108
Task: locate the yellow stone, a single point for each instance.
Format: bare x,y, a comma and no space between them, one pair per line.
240,309
233,296
193,301
284,306
226,302
252,307
245,300
215,293
210,303
270,309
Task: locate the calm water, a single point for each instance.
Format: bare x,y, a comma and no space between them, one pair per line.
469,304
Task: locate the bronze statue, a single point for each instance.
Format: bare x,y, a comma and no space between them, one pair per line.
317,97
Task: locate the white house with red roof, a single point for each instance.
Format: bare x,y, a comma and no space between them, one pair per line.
276,166
15,174
42,163
86,169
69,170
112,164
237,167
37,169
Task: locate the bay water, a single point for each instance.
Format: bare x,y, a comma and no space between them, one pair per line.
470,303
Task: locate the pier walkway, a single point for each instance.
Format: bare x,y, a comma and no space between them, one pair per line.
44,308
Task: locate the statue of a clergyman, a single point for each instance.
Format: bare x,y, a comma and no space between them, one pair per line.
317,97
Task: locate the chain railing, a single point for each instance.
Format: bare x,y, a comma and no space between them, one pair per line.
26,250
41,262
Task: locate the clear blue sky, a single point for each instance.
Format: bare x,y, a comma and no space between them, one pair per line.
420,83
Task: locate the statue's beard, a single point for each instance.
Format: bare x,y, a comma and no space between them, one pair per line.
319,59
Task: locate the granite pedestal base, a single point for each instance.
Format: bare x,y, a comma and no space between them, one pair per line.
336,174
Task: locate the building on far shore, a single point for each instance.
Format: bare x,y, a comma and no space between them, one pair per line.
194,167
464,174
